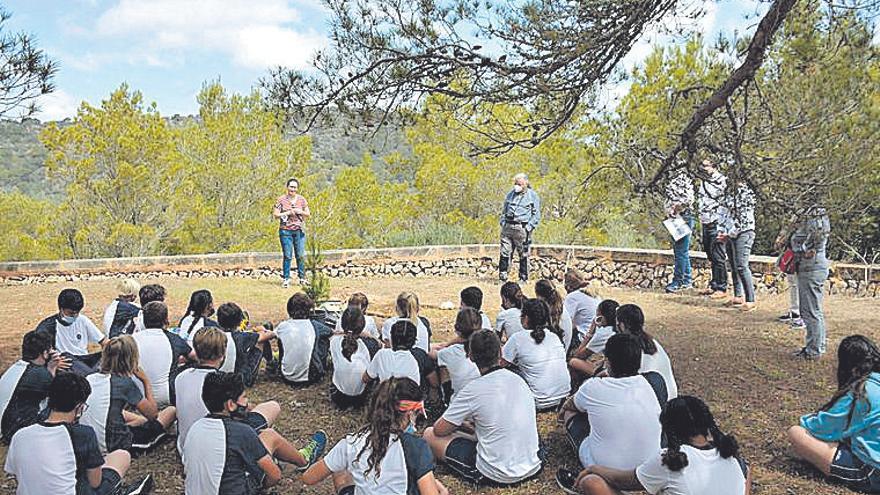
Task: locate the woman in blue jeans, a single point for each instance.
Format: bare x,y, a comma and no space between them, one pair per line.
679,201
291,210
808,243
738,230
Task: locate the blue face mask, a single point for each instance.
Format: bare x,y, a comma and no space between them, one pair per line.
67,320
411,429
240,411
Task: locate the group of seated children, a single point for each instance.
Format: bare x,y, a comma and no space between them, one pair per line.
625,420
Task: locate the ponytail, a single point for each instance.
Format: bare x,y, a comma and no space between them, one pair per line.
538,314
685,417
408,307
352,322
633,320
198,303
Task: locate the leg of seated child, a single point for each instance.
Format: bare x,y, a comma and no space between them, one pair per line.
133,418
167,416
119,461
593,484
818,453
280,448
269,410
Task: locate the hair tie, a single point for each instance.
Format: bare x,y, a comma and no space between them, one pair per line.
412,405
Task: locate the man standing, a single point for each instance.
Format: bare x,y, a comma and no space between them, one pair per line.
679,200
519,217
710,194
291,210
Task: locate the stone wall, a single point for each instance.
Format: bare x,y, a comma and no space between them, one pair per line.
640,268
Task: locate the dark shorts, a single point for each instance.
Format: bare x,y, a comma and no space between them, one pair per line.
344,401
145,436
577,429
110,482
256,421
851,471
461,458
346,490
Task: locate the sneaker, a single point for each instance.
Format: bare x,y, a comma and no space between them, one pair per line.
672,288
502,277
285,283
718,294
303,282
142,487
735,301
566,479
152,443
314,449
808,356
707,292
797,324
787,317
748,307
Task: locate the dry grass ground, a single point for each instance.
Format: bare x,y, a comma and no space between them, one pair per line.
739,363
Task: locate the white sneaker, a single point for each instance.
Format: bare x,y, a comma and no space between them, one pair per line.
285,283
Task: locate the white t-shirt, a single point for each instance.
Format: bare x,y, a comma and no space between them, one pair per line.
190,406
706,472
346,456
543,365
298,338
567,326
75,339
110,315
659,362
508,322
582,309
461,369
42,459
503,411
394,364
599,338
156,358
185,331
369,327
624,421
423,341
348,374
486,322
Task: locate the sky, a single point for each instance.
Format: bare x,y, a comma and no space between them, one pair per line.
168,48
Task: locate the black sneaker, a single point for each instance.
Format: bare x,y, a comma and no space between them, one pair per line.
566,479
142,487
787,317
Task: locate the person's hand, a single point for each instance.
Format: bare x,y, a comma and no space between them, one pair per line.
809,254
58,362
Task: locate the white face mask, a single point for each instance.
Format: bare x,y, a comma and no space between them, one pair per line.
517,188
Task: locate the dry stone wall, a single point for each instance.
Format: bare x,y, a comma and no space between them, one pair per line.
634,268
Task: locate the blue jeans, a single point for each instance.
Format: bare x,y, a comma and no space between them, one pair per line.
741,247
293,241
681,274
810,285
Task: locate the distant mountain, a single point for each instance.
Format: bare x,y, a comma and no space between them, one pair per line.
22,156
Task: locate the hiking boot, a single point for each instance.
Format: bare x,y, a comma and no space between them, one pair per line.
142,487
808,356
314,449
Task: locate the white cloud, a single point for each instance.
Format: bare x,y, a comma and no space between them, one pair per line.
255,33
57,106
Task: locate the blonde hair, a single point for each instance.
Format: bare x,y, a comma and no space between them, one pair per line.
210,344
120,356
408,306
128,287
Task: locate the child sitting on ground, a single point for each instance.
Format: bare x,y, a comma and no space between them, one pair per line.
72,332
119,317
226,455
602,328
244,350
455,369
350,358
360,301
508,321
303,343
408,308
386,456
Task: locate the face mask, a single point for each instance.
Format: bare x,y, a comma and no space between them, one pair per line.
411,429
67,320
240,411
517,189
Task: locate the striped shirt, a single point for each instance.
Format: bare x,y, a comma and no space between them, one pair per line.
286,203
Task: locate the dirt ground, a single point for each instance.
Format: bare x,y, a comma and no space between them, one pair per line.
739,363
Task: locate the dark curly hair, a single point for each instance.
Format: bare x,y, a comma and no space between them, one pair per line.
685,417
384,418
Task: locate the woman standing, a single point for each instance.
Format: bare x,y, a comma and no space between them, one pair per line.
738,230
291,209
808,243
